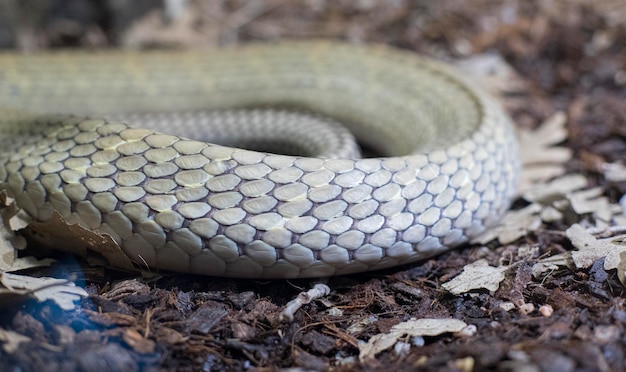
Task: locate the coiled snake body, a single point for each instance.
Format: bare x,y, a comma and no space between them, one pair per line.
449,168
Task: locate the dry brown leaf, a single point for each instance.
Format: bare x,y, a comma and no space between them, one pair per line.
589,201
58,234
591,249
29,262
544,140
514,225
11,341
556,189
61,291
154,29
413,327
11,220
553,201
614,172
552,263
492,73
542,159
550,214
7,253
621,268
476,275
592,202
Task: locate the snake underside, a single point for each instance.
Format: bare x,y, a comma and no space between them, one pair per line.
447,172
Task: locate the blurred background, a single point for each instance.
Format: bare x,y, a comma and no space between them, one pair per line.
570,54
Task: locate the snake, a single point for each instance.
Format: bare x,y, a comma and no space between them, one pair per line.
141,146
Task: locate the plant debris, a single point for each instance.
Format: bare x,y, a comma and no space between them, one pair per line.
411,328
476,275
62,292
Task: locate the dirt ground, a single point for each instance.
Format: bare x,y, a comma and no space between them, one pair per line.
570,56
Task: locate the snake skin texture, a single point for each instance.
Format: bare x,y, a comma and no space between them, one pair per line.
448,169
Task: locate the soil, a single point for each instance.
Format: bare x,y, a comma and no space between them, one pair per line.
571,56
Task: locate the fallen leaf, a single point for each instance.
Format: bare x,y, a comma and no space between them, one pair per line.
561,198
514,225
492,72
552,263
7,254
621,268
542,159
476,275
591,249
592,201
11,340
23,263
58,234
412,327
614,172
61,291
556,189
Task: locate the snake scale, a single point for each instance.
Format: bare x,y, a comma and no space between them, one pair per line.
447,168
